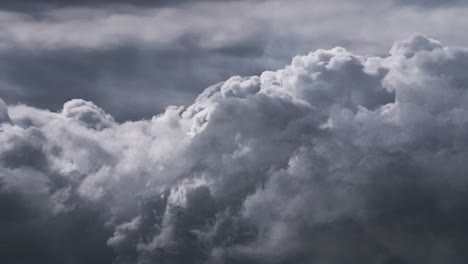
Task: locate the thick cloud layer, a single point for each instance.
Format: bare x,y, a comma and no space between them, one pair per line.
156,53
337,158
431,3
37,6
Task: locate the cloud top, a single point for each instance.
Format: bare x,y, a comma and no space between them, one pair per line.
87,113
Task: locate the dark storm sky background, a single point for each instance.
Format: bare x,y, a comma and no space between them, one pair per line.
150,54
233,132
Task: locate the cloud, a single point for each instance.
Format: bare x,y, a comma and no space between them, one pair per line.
87,113
170,63
335,158
431,3
93,52
147,78
38,6
416,43
3,112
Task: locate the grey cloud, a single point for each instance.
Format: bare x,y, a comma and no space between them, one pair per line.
335,158
417,43
41,216
30,6
150,70
154,56
87,113
146,79
4,117
27,237
431,3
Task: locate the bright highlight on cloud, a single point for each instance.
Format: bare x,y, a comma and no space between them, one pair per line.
337,158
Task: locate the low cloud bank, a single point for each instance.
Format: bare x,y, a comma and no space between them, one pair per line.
335,158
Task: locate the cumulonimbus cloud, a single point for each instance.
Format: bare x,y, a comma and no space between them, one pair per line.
335,158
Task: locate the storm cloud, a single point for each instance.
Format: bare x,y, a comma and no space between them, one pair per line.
159,53
334,158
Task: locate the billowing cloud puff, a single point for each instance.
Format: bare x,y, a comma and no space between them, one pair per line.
337,158
417,43
87,113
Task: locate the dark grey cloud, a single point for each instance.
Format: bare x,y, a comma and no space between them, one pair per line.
147,78
150,70
27,235
3,112
36,7
334,158
431,3
31,230
154,56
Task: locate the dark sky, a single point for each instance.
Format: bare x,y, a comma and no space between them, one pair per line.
233,132
157,53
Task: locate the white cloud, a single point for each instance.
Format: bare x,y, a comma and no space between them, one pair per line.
87,113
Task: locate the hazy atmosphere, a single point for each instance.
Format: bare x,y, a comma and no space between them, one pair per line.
233,132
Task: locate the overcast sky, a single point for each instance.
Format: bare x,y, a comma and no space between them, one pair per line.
150,54
233,132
